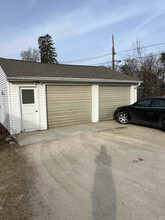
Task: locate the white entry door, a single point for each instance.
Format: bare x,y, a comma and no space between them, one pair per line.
29,109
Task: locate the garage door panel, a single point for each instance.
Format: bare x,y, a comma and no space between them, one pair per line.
68,105
111,97
73,115
67,122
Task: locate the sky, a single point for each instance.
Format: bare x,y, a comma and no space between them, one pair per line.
81,29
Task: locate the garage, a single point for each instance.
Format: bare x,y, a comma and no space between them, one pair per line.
111,97
39,96
68,105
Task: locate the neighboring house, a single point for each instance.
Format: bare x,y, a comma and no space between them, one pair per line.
38,96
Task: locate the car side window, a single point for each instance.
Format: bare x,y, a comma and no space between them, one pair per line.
162,103
142,103
159,103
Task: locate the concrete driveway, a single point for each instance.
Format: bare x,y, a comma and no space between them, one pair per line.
115,173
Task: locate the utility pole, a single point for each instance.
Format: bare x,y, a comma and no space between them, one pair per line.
113,53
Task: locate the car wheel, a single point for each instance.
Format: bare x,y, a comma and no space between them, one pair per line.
122,117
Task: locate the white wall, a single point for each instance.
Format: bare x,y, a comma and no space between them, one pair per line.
42,107
95,103
15,106
133,94
4,107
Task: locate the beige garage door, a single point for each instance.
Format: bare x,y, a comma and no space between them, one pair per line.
68,105
111,97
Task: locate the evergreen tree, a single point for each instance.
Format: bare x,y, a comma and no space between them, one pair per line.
47,51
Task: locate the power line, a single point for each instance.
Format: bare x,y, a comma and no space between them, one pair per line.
153,45
86,59
122,55
143,56
128,59
92,43
104,55
106,62
147,20
102,63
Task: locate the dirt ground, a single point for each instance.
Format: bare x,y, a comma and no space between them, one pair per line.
14,203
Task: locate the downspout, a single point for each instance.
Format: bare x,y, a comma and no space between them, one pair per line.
137,86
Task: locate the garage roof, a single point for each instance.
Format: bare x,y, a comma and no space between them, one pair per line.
18,69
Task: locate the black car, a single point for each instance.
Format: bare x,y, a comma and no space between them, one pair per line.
148,111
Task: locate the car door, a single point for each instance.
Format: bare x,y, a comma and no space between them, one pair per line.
137,111
156,112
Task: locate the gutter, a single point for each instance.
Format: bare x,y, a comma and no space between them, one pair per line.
66,79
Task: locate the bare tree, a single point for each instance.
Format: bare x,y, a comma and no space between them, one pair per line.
162,59
152,74
148,68
32,55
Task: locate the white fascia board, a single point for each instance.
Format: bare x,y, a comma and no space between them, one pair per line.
66,79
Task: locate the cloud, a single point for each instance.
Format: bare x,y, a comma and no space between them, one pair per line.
71,24
75,22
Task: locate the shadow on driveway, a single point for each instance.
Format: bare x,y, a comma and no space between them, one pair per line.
104,193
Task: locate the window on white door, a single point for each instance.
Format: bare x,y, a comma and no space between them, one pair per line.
27,96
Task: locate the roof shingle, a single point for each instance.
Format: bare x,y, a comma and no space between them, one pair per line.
19,68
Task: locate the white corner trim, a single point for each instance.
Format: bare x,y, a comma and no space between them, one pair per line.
95,103
42,106
9,105
133,94
45,102
38,107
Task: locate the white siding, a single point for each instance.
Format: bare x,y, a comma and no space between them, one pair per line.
16,123
15,108
42,107
4,107
133,94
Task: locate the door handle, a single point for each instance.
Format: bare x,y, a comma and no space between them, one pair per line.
36,110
